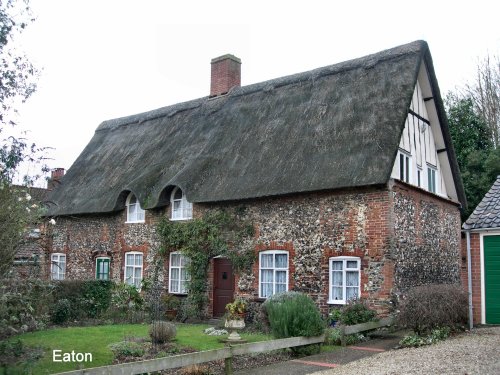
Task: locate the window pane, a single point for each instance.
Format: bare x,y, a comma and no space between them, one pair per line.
336,278
352,264
128,275
184,274
281,277
280,288
174,286
267,289
281,261
140,214
407,177
266,276
351,293
129,259
337,265
183,288
352,278
401,167
266,260
337,294
174,274
138,259
178,194
184,261
175,260
132,200
137,273
177,205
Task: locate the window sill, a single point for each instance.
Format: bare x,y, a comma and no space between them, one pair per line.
336,302
177,293
181,219
135,222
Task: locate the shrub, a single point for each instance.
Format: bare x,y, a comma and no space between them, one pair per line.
354,312
161,331
417,340
295,314
61,311
87,299
23,306
126,349
428,307
15,357
333,337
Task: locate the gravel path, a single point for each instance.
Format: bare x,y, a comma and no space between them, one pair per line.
477,352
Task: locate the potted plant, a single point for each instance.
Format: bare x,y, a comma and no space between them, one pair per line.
171,303
235,318
334,317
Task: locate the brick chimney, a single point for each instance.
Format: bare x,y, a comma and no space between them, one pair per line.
226,74
55,177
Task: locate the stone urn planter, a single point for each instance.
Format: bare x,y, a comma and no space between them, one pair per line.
234,325
235,319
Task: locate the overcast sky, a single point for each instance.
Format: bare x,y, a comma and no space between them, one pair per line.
107,59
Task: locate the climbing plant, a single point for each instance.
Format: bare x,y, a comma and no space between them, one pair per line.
216,233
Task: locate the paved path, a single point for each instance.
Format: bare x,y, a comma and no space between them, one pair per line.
324,361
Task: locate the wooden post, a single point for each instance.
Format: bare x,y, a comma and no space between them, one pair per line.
228,366
342,335
228,361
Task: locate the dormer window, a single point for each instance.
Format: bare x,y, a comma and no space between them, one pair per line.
135,214
181,208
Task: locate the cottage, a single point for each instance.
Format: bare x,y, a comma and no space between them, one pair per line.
347,172
482,230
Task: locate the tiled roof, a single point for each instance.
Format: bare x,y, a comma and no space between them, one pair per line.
487,213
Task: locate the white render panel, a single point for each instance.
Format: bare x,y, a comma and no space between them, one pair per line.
419,141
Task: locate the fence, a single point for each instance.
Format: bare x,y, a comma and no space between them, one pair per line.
348,330
184,360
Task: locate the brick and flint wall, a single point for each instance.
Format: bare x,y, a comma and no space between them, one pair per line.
404,236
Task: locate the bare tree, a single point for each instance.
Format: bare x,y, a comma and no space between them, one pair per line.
485,92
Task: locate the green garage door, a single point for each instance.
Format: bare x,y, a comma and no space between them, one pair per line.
492,278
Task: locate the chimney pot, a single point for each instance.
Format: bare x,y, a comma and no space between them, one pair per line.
226,74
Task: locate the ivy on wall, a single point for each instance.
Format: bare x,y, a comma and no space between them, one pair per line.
217,233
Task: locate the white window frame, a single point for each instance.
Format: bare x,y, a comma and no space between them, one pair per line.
432,177
96,269
274,269
132,280
404,163
180,286
344,260
135,213
57,272
181,208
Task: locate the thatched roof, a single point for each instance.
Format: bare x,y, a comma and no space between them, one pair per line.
329,128
487,213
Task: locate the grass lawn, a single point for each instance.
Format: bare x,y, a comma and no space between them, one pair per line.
96,339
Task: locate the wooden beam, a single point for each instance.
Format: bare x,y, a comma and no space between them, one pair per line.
419,117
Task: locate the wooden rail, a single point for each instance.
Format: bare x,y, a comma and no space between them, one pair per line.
348,330
189,359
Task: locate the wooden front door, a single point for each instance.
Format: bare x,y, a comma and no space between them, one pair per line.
223,285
